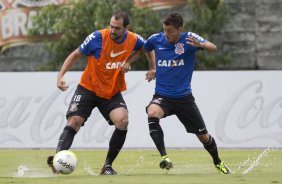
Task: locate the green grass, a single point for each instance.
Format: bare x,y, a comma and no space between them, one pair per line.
141,166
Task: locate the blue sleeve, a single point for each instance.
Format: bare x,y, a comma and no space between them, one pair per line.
140,42
197,37
150,43
91,43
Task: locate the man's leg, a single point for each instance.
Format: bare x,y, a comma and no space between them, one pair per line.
119,117
157,134
115,145
210,145
66,138
190,116
154,114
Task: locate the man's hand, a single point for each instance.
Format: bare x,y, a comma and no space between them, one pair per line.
208,46
193,41
126,67
61,84
151,75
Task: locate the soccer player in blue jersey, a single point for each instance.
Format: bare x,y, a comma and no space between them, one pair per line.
171,55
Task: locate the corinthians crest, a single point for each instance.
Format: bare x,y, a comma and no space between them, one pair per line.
179,49
73,107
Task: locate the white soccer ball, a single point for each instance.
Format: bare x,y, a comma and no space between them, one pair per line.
65,162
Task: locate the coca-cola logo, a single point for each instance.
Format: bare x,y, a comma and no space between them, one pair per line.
17,112
250,109
247,114
45,123
36,120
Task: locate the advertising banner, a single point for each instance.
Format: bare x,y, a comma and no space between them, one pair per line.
241,109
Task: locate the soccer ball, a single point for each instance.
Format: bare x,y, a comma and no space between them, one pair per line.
65,162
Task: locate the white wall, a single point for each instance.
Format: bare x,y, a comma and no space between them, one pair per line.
242,109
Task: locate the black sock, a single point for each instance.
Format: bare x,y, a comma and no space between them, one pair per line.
115,145
66,139
157,134
211,147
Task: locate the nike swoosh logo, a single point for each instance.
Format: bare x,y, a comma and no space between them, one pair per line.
112,54
200,130
153,131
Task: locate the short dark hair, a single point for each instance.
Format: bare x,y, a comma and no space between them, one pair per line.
174,19
122,15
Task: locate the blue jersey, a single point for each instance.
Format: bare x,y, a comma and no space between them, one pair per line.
174,64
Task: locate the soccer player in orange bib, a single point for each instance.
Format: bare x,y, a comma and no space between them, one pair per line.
110,54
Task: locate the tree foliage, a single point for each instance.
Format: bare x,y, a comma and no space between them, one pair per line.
75,21
208,16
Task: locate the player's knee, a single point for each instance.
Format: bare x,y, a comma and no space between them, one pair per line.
121,123
204,138
153,113
75,122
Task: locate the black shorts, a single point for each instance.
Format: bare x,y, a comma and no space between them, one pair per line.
186,111
84,101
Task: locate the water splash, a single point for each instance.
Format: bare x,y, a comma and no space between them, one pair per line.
89,170
242,165
30,172
256,162
22,169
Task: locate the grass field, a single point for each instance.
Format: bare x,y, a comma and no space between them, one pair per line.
260,166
